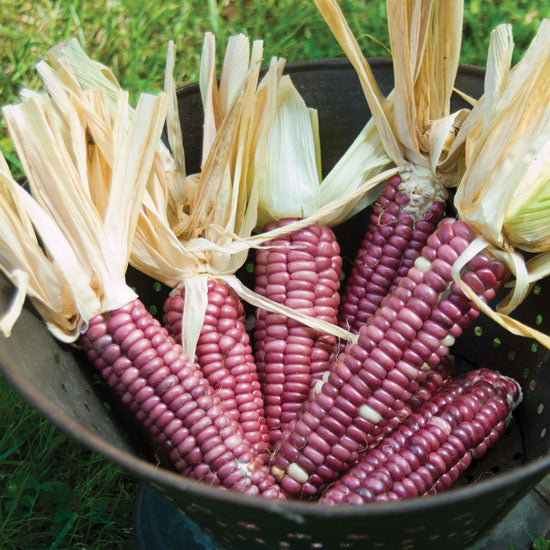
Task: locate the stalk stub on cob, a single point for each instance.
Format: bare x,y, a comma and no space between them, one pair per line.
417,129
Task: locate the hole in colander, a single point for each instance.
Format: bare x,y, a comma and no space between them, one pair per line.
517,456
247,525
540,408
542,433
532,384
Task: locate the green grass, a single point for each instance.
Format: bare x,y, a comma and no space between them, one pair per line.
56,494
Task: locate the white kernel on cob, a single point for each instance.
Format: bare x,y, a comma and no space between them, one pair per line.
368,413
297,473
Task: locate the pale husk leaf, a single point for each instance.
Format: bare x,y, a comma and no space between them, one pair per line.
497,181
173,125
507,164
235,70
499,61
32,272
363,160
377,102
77,70
288,177
57,168
209,93
196,293
408,27
90,74
414,123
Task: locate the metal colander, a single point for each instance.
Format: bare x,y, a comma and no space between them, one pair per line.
58,381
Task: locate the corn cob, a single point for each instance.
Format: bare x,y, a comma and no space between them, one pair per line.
170,395
428,451
371,381
393,241
224,356
301,271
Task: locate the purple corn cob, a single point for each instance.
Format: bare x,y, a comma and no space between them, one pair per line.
301,272
393,241
369,384
224,356
169,394
428,451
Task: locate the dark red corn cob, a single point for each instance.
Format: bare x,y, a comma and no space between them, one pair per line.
369,384
428,451
302,271
225,357
393,241
169,394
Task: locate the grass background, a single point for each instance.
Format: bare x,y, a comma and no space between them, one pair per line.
55,493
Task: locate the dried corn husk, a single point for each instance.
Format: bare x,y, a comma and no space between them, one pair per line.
287,164
73,152
213,232
502,193
414,123
210,241
71,65
287,173
32,270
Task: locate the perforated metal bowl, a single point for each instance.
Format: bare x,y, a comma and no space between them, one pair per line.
59,382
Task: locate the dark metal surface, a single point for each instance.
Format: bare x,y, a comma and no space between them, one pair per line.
159,525
56,380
